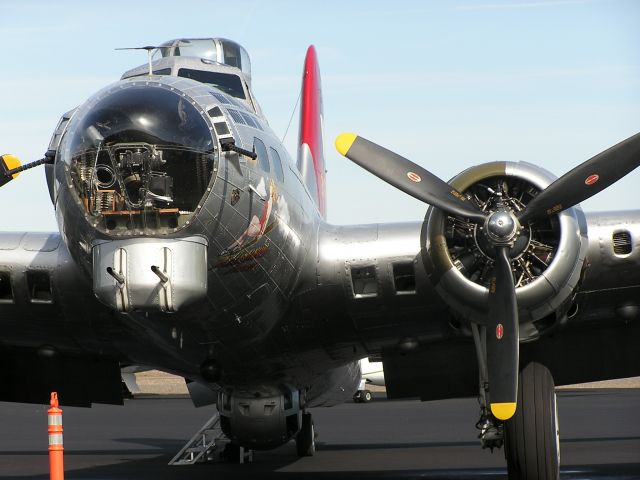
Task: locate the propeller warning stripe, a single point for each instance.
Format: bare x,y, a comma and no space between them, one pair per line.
344,142
7,163
11,162
503,411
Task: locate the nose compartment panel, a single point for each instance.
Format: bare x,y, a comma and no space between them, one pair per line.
150,273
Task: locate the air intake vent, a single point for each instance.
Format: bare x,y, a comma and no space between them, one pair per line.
622,242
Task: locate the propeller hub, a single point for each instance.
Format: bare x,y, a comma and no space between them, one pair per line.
502,227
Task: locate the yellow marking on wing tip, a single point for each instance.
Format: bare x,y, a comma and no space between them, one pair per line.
11,161
344,142
503,411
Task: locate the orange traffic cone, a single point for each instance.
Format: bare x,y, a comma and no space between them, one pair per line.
56,449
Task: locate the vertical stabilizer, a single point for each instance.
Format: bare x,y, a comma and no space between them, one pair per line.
310,152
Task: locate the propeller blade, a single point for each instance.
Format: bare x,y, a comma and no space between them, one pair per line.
502,339
586,179
406,176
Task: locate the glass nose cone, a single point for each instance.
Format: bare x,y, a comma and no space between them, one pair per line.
140,159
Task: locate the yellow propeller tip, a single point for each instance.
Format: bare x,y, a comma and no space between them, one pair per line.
11,161
344,142
503,411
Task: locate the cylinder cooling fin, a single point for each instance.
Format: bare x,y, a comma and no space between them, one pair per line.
546,258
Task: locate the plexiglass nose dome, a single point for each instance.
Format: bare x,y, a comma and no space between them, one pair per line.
140,158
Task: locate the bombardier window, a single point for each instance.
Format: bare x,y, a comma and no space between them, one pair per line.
136,169
226,82
261,150
277,163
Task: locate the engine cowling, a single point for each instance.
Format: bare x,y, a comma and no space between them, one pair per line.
547,258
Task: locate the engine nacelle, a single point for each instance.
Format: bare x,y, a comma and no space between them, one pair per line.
260,417
547,258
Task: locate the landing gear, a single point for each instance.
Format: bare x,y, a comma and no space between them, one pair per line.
531,436
305,440
362,396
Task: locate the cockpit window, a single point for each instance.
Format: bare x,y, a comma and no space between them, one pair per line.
227,82
140,160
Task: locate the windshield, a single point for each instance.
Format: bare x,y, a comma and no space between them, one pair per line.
227,82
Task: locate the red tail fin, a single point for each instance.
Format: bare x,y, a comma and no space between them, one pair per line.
310,154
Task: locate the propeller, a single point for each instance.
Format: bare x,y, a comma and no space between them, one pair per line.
501,227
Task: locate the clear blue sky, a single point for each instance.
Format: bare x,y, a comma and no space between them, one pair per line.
447,84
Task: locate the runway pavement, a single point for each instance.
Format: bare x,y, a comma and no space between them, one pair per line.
600,432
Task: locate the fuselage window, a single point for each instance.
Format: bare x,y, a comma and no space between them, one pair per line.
277,163
404,277
227,82
6,293
39,285
364,281
263,158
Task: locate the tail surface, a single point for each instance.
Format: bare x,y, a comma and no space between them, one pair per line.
310,152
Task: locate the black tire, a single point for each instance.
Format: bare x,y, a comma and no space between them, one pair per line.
366,396
531,438
306,438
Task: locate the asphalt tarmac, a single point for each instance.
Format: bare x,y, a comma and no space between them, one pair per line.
600,433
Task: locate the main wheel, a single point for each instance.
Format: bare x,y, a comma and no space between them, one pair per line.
366,397
306,440
531,436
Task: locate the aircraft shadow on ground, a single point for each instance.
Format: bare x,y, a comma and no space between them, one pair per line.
283,464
